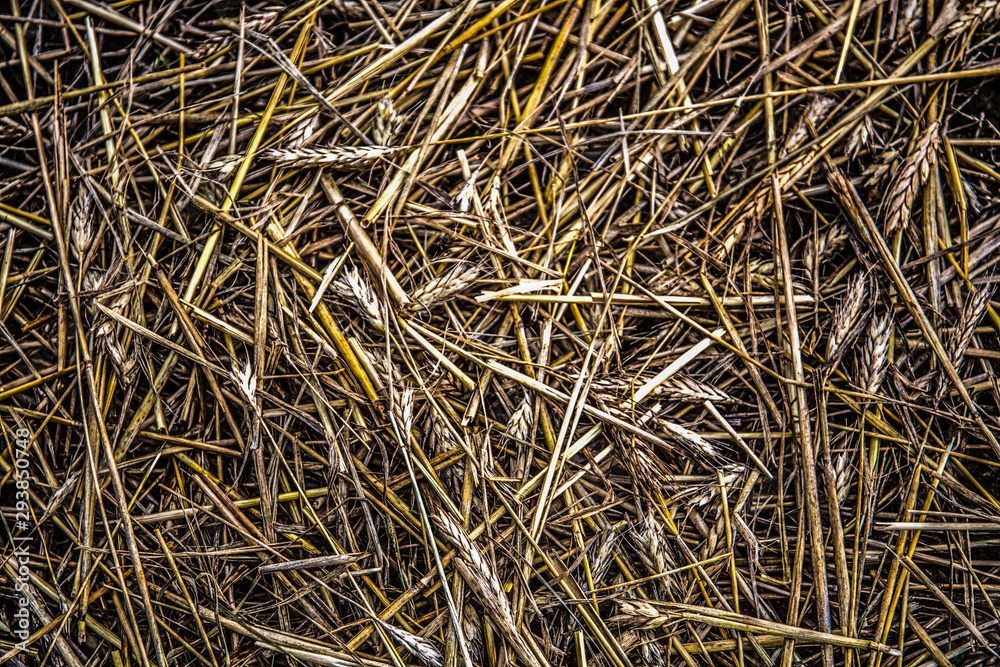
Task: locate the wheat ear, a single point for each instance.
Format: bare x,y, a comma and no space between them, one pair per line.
476,570
875,354
976,14
847,317
815,251
423,649
898,203
972,312
519,424
338,157
355,289
444,287
82,222
387,123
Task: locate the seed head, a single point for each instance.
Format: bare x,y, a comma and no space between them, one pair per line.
875,354
422,649
519,424
972,312
355,289
847,317
302,134
387,123
826,244
976,14
338,157
447,285
81,219
898,204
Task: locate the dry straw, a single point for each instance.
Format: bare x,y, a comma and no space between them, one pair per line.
375,334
